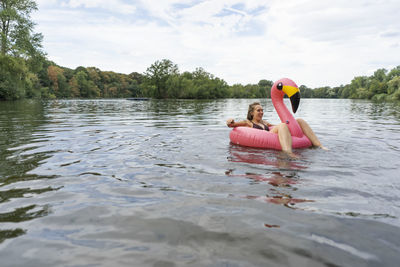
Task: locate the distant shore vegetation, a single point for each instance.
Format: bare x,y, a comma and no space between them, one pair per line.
25,72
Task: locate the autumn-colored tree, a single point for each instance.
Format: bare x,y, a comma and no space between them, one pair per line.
53,72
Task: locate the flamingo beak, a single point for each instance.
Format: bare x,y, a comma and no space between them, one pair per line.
294,94
295,100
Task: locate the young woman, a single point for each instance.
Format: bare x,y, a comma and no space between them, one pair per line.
254,120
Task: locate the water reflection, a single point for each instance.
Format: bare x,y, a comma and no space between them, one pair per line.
185,107
376,110
21,192
183,113
91,176
277,159
276,179
284,176
24,213
20,143
20,215
282,191
7,234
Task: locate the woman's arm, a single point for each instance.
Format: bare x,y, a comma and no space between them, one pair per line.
232,123
268,124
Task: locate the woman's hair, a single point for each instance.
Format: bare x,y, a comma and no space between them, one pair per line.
251,108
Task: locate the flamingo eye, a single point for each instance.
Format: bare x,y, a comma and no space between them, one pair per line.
279,86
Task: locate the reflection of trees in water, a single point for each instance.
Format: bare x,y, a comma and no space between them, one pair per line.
20,192
19,215
7,234
179,113
376,110
18,119
24,214
19,137
175,107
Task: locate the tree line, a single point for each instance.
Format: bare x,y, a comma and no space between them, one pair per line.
25,72
383,85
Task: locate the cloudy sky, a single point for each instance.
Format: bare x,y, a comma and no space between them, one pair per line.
313,42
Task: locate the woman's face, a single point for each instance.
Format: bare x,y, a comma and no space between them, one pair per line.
258,113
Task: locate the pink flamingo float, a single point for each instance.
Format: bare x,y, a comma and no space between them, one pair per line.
246,136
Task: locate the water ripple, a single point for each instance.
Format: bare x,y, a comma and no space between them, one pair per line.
108,181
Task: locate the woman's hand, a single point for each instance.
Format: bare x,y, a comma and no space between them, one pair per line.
230,122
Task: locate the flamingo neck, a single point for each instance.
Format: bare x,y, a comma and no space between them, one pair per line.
285,115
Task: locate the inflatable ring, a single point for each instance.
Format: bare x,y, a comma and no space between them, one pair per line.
246,136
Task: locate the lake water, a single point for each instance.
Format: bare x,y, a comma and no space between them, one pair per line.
157,183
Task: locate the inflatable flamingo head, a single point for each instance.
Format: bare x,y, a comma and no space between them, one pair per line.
287,87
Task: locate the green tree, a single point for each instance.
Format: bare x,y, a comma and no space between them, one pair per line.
134,89
265,88
393,73
207,86
82,82
306,92
74,87
394,88
137,77
15,78
363,93
63,87
376,87
156,77
380,75
16,29
358,83
237,91
344,91
176,86
20,50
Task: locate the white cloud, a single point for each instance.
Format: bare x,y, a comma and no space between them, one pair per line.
112,6
316,43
